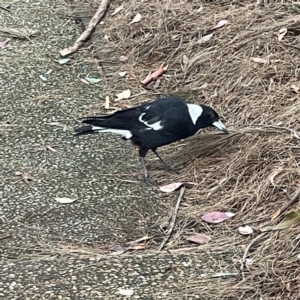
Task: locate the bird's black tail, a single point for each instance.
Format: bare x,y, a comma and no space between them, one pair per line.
84,130
96,124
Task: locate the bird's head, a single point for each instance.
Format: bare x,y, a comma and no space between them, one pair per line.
211,118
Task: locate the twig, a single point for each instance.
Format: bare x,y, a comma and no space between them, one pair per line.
5,236
91,26
217,275
243,261
173,219
162,69
287,205
5,8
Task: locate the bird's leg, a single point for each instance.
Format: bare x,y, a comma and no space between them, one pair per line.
146,177
167,166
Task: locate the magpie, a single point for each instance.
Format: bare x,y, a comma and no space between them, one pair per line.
155,124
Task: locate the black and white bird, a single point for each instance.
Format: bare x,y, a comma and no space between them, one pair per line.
155,124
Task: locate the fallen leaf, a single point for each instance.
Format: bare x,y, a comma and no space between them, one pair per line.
295,88
118,9
140,246
123,58
296,135
205,38
50,148
126,292
122,74
281,33
217,217
106,106
185,59
290,219
26,177
274,174
221,24
136,19
248,262
199,238
65,200
245,230
19,32
124,95
63,61
156,85
288,287
204,86
259,60
93,80
4,43
42,77
84,80
175,186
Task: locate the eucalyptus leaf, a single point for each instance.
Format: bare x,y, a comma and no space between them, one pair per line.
63,61
93,80
290,219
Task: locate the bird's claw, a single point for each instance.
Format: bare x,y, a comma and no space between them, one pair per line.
150,181
172,169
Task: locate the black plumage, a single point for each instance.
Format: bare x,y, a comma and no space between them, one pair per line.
155,124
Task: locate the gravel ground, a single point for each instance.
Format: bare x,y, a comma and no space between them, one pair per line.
41,240
69,277
37,114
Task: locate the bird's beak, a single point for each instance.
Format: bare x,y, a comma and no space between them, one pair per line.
220,126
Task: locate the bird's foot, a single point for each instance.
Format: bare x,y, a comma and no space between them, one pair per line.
150,181
171,169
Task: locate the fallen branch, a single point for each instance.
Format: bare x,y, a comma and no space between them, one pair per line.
90,28
172,224
287,205
162,69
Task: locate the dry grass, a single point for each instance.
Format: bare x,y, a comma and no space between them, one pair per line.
261,109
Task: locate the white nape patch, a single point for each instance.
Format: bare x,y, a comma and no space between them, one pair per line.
154,126
195,112
125,133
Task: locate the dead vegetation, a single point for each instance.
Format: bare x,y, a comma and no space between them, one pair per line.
251,172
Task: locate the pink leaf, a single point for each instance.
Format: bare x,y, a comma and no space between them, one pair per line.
221,24
199,238
174,186
4,43
217,217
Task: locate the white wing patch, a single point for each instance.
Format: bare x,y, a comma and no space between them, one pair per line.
125,133
195,112
154,126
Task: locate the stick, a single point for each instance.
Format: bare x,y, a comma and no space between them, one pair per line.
92,24
173,219
162,69
287,205
243,261
5,8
